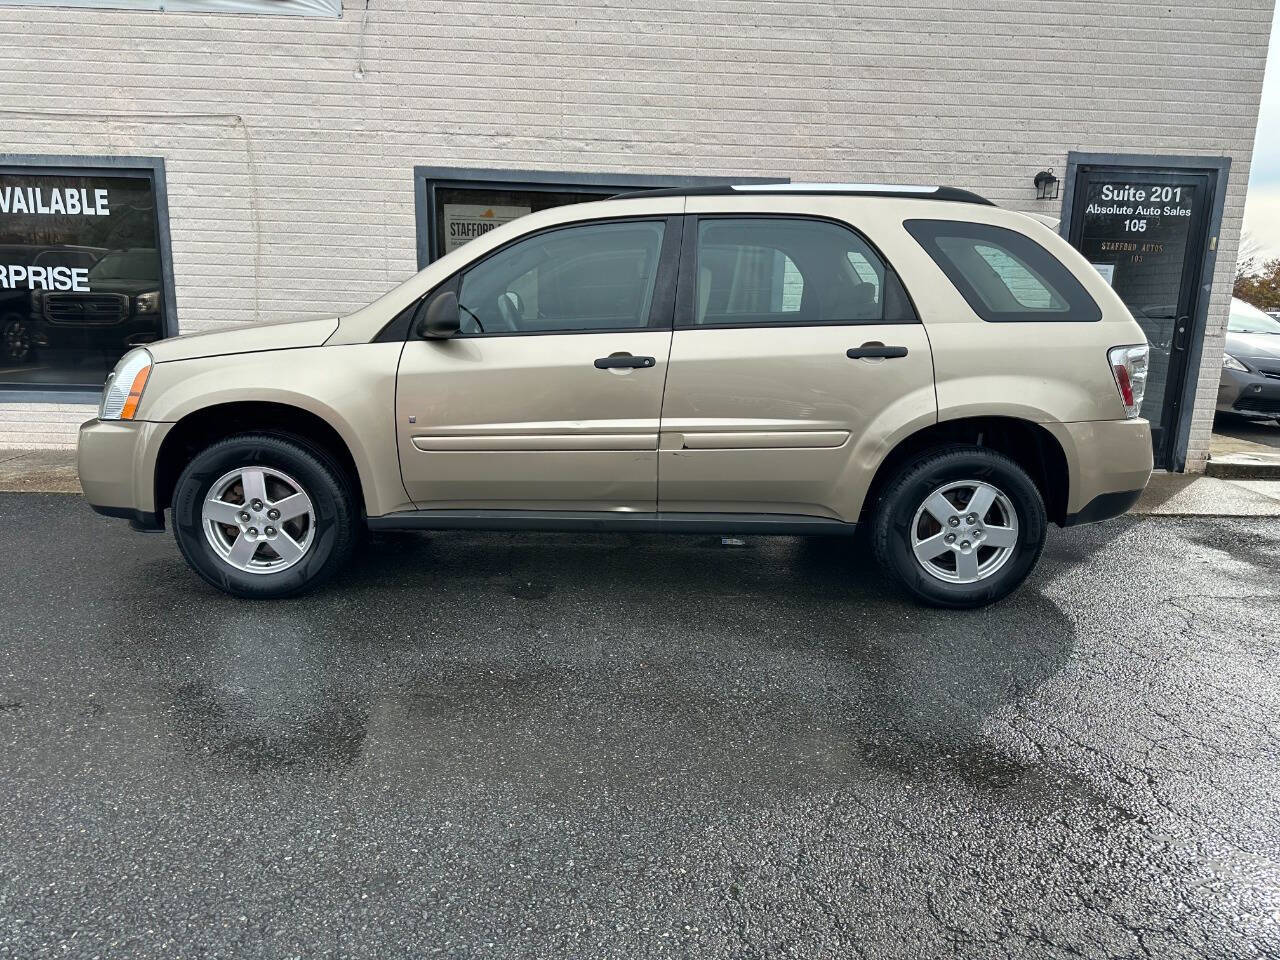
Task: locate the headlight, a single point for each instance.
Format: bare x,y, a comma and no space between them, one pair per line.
1231,363
123,389
147,302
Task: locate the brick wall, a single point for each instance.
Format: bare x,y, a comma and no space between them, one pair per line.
290,143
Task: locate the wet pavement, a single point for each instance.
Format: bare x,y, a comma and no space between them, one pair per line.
572,746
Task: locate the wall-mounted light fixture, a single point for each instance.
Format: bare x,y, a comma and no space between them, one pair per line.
1046,185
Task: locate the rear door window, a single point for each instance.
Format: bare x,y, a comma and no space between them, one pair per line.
1005,276
773,271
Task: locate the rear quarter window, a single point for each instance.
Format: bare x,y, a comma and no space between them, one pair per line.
1005,276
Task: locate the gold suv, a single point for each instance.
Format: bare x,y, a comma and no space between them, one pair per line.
911,362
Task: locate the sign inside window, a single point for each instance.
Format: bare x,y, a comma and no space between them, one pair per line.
80,275
466,221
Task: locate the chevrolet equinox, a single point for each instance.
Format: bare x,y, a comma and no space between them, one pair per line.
915,363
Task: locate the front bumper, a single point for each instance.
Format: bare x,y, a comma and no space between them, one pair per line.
1109,463
116,460
1248,393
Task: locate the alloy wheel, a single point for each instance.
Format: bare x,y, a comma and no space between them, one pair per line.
16,340
964,531
258,520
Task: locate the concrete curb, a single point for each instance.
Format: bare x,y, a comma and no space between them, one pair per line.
1244,466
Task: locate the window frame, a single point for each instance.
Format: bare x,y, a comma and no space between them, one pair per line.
151,168
427,180
687,287
925,231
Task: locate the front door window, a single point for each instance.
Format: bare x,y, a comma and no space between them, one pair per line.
594,277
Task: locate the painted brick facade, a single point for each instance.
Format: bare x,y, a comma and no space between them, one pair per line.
290,143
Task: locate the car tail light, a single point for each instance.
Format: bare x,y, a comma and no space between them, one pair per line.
1129,367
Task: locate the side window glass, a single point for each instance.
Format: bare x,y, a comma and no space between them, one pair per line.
596,276
788,270
1023,285
1002,274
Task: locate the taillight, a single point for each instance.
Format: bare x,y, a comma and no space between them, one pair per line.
1129,367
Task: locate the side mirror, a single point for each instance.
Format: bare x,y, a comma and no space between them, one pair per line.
437,318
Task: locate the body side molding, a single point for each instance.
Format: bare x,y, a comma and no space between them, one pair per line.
762,524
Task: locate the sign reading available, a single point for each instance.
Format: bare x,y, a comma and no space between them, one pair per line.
41,201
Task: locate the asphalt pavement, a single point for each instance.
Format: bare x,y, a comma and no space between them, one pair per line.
608,746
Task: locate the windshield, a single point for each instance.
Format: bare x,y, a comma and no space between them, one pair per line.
127,265
1246,318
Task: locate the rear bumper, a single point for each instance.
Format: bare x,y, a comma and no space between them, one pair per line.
116,461
1109,464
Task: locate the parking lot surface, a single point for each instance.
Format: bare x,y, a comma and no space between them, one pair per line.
607,746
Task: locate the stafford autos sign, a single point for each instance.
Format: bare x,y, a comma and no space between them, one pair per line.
466,221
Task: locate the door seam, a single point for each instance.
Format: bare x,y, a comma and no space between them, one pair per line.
666,371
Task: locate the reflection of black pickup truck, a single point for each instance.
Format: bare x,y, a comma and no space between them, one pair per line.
15,304
122,308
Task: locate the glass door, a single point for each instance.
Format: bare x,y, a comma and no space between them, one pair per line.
1145,230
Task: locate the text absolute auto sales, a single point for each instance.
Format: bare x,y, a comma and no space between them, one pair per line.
70,201
1128,200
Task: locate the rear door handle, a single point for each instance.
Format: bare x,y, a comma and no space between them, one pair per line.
872,350
623,360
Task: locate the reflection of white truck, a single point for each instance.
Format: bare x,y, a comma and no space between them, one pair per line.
35,264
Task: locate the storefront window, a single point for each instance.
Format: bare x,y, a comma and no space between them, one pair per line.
81,275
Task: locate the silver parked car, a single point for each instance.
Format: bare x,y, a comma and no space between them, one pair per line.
1250,384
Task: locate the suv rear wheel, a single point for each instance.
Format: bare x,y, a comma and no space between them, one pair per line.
960,526
263,516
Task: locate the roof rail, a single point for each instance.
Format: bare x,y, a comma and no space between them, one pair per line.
953,194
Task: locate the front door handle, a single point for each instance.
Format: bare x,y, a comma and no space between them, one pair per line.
875,351
623,360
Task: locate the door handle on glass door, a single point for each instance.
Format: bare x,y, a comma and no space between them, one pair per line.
1180,335
623,360
874,350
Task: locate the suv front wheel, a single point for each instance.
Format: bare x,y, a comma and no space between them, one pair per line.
960,526
263,516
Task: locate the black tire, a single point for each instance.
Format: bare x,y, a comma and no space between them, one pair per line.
905,494
15,339
336,517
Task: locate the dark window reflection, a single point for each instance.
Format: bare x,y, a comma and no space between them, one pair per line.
80,275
